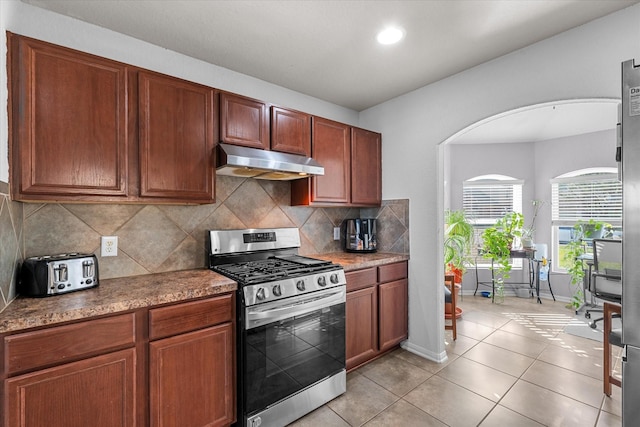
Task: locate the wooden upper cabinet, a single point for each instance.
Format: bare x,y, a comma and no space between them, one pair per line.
244,121
366,172
68,123
351,158
176,138
290,131
332,149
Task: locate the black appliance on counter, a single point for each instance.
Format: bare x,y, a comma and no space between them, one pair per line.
360,235
290,324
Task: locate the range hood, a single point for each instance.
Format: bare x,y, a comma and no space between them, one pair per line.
234,160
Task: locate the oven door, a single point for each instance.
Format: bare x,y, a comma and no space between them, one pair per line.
292,344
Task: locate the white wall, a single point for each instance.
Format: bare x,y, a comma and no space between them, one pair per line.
581,63
570,154
536,163
471,160
31,21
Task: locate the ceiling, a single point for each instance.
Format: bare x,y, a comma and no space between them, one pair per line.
543,122
327,49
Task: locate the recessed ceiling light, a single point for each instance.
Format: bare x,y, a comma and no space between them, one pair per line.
390,35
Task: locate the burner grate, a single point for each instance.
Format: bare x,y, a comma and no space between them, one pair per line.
266,270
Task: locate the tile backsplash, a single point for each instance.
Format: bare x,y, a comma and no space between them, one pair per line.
158,238
11,244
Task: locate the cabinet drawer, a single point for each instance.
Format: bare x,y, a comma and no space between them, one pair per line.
390,272
361,278
62,344
186,317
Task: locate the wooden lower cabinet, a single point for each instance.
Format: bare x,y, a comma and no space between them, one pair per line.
190,379
377,311
99,392
172,365
362,325
393,303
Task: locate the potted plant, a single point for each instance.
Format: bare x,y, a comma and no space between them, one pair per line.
529,230
497,244
458,237
575,251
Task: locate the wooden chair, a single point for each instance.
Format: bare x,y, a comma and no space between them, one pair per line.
450,298
610,337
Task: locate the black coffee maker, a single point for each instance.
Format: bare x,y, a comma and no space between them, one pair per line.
360,235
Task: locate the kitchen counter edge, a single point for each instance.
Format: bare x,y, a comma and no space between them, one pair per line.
351,261
133,292
114,296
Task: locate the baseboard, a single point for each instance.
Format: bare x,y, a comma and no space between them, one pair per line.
512,293
423,352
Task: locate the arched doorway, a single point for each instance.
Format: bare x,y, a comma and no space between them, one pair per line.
534,124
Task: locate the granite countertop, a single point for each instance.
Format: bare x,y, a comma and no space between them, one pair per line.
113,296
129,293
355,261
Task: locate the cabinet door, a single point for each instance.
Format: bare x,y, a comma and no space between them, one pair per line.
393,313
362,326
332,149
244,121
366,172
69,123
92,392
192,379
290,131
176,139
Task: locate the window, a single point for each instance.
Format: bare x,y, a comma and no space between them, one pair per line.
487,198
580,196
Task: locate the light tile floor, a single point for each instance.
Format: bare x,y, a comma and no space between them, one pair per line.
512,365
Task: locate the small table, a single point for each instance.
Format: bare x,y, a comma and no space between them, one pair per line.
538,263
586,282
534,274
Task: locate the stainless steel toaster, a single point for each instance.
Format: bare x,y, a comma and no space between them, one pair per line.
49,275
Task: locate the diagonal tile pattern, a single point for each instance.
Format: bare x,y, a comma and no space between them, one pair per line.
159,238
514,367
11,244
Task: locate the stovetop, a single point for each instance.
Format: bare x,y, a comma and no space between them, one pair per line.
266,270
273,279
266,264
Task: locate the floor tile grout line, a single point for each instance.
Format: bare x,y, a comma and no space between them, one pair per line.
520,377
386,407
537,358
497,403
464,352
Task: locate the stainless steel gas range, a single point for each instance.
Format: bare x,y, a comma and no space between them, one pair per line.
291,324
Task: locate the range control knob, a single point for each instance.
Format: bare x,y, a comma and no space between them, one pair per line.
322,281
277,290
334,278
261,294
300,285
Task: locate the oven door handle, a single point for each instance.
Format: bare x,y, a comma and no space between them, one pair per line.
260,315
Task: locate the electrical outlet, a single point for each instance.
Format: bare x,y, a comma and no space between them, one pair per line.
336,233
109,246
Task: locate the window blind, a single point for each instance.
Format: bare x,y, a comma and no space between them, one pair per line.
485,202
597,197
